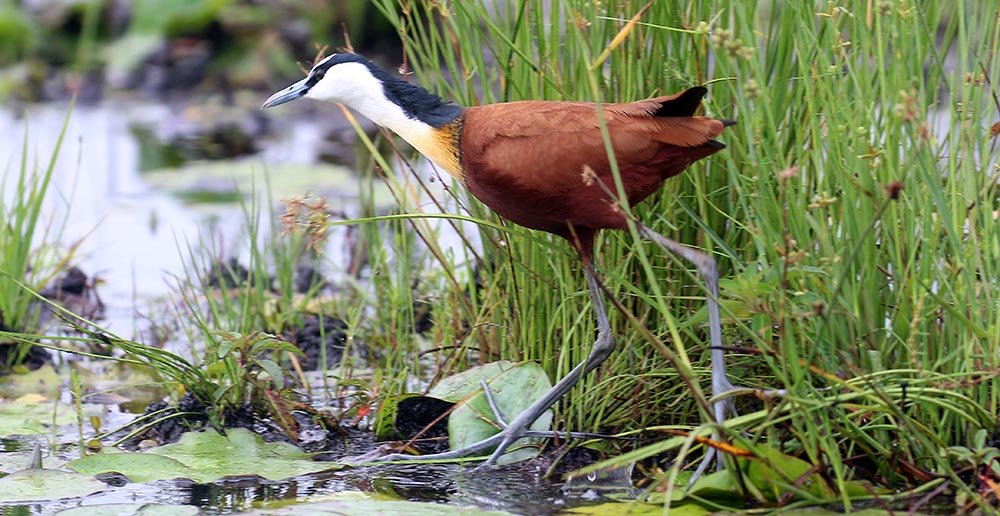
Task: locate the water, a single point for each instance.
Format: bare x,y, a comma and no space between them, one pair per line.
133,233
511,490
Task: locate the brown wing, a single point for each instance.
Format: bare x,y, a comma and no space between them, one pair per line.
526,160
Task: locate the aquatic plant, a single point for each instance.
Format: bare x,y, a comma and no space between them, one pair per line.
29,252
853,215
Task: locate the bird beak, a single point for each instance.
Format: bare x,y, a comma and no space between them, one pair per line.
286,95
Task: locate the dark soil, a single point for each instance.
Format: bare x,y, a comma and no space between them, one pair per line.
36,357
313,434
170,430
422,422
423,319
316,333
225,275
75,291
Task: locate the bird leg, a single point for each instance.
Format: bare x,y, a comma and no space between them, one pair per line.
500,421
519,427
720,382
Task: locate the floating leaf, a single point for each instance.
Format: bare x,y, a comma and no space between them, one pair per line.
639,509
138,467
31,415
515,386
43,380
32,485
717,486
354,503
774,473
131,509
205,456
771,477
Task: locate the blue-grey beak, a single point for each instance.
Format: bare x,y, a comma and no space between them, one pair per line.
288,94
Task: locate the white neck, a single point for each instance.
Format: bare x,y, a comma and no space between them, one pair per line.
352,84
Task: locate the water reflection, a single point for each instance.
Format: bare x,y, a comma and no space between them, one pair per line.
510,489
134,235
129,232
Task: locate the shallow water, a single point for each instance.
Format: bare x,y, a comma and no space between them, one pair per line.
134,227
506,489
129,231
133,231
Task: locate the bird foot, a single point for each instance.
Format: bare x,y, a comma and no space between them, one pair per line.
509,434
723,392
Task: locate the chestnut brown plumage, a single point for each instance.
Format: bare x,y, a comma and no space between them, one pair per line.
543,165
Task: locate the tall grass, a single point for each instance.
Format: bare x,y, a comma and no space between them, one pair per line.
854,216
26,248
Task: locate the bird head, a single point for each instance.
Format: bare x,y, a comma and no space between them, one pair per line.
386,99
341,77
417,115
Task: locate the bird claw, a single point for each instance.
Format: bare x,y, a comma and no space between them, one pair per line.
498,418
503,440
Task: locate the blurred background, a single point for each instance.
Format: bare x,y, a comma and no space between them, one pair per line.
166,136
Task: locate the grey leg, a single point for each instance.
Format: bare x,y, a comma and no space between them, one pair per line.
720,382
518,428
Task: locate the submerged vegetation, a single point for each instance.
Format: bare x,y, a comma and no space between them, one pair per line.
855,216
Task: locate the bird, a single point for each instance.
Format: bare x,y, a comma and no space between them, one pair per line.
544,165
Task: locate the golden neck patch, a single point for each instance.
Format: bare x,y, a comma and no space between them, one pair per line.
440,145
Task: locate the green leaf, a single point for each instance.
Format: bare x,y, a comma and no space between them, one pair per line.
138,467
638,509
774,473
132,509
225,348
24,416
274,345
43,380
354,503
30,485
274,371
718,486
514,387
204,457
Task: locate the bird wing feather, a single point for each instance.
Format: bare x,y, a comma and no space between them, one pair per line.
519,138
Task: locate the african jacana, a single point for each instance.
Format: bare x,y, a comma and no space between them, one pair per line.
543,165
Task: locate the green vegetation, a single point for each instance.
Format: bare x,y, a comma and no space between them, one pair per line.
28,251
853,215
204,41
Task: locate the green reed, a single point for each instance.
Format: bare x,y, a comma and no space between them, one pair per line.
854,217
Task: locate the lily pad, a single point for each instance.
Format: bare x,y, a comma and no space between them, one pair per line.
287,181
768,476
32,414
720,486
132,509
32,485
638,509
774,472
404,416
204,457
355,503
515,386
43,380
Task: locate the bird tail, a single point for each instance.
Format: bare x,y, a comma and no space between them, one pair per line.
683,104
